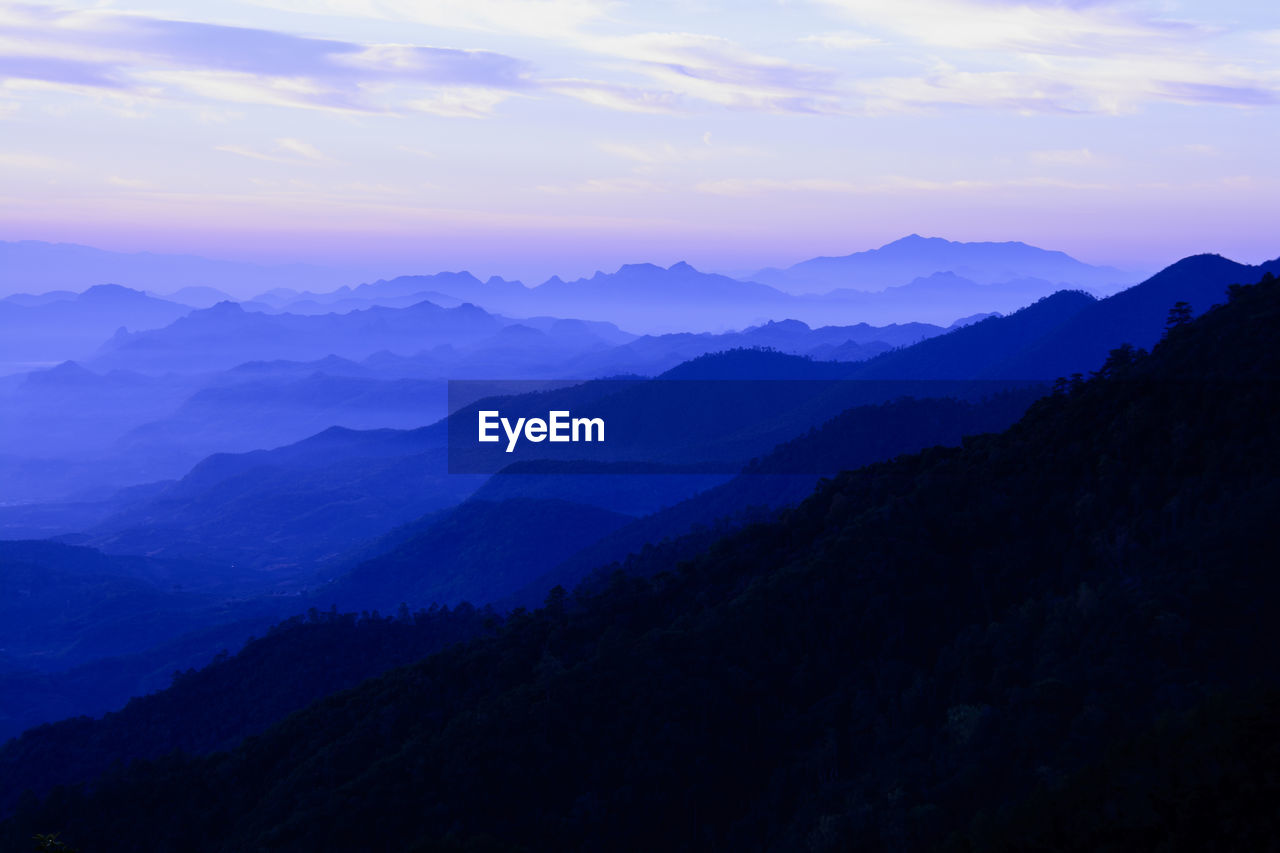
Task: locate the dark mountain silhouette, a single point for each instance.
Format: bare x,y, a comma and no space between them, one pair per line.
852,439
976,350
986,349
970,320
62,605
755,364
308,503
228,699
479,551
1136,315
1069,332
708,415
34,697
511,529
915,257
1053,637
618,489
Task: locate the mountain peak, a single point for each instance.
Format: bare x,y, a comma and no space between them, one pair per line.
916,240
64,374
1202,261
681,266
783,325
224,308
110,291
639,268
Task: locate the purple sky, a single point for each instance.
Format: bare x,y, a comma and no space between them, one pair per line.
531,137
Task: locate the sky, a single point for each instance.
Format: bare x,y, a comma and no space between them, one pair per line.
530,137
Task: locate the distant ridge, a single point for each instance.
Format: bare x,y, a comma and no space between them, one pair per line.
1137,315
913,256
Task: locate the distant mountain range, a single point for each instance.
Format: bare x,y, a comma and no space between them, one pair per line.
912,279
34,330
290,517
426,340
913,257
1052,637
652,299
1068,332
228,380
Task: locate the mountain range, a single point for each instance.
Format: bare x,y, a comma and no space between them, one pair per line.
299,521
60,329
1050,637
914,257
913,279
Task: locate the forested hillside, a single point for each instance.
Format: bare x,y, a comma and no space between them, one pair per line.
297,662
1056,637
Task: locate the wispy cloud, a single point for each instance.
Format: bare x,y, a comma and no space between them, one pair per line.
460,102
880,185
606,185
1200,149
305,150
24,160
1050,56
1050,27
719,71
539,18
666,154
1109,85
621,97
160,58
286,150
1064,157
842,40
129,183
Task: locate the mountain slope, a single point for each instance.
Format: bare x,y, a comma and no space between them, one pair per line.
899,661
286,508
1136,315
73,328
852,439
976,350
479,551
225,335
221,704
